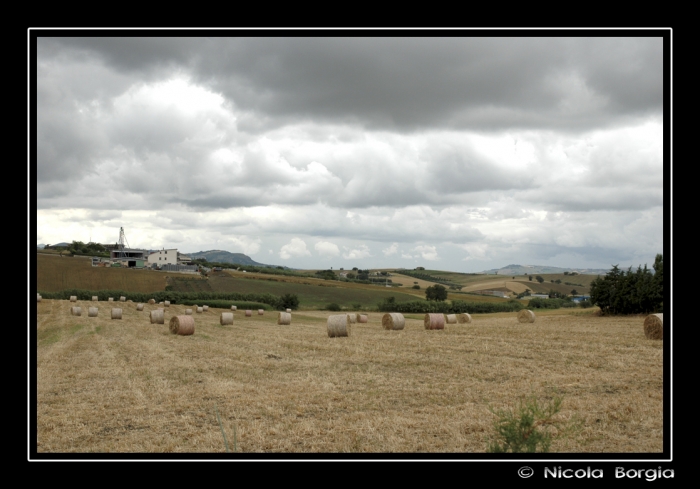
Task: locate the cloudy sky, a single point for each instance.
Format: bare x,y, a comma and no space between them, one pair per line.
452,153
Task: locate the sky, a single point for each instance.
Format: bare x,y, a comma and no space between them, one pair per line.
460,153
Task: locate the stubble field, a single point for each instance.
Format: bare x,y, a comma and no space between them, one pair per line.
129,386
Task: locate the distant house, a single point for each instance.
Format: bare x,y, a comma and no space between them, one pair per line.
539,296
580,298
343,274
163,257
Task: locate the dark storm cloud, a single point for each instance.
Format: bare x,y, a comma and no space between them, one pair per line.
410,83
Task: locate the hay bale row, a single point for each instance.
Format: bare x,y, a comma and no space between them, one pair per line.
122,299
248,313
73,298
352,317
205,308
226,318
167,304
434,321
362,318
464,318
75,311
94,298
158,316
110,299
261,312
234,308
526,316
393,320
338,325
151,301
139,307
92,312
182,325
116,313
451,318
200,310
284,318
654,326
188,312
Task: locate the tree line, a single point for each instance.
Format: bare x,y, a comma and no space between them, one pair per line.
631,292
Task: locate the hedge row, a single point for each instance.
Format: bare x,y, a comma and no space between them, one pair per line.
456,307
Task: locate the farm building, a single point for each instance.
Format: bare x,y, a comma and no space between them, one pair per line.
539,296
168,257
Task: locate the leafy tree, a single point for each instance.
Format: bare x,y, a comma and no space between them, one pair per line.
574,292
436,293
539,279
629,292
530,278
288,301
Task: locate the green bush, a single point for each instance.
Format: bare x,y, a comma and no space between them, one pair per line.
333,307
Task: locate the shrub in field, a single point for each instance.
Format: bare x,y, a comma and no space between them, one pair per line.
333,307
529,427
288,301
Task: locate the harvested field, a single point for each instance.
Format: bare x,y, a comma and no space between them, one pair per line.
110,386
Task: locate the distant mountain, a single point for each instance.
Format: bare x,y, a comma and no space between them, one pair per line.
40,246
222,256
530,269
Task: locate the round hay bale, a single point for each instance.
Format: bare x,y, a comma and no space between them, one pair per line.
226,318
284,318
200,310
116,313
158,316
188,312
205,308
464,318
393,320
75,311
234,308
38,298
362,318
92,312
288,310
338,325
526,316
352,317
122,299
139,307
654,326
130,301
261,312
151,301
73,298
94,298
166,304
182,325
434,321
111,299
248,313
451,318
160,303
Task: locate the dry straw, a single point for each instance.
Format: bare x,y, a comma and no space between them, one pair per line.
205,308
654,326
111,299
188,312
288,310
284,318
526,316
362,318
158,316
248,313
73,298
464,318
139,307
226,318
393,320
75,311
434,321
182,325
338,325
234,308
451,318
94,298
122,299
167,304
261,312
151,301
116,313
352,318
92,312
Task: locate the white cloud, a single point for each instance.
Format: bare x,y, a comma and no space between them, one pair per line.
427,252
326,248
295,248
391,250
360,252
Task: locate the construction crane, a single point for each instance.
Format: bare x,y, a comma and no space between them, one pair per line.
122,240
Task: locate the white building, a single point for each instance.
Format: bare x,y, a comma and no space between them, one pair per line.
163,257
